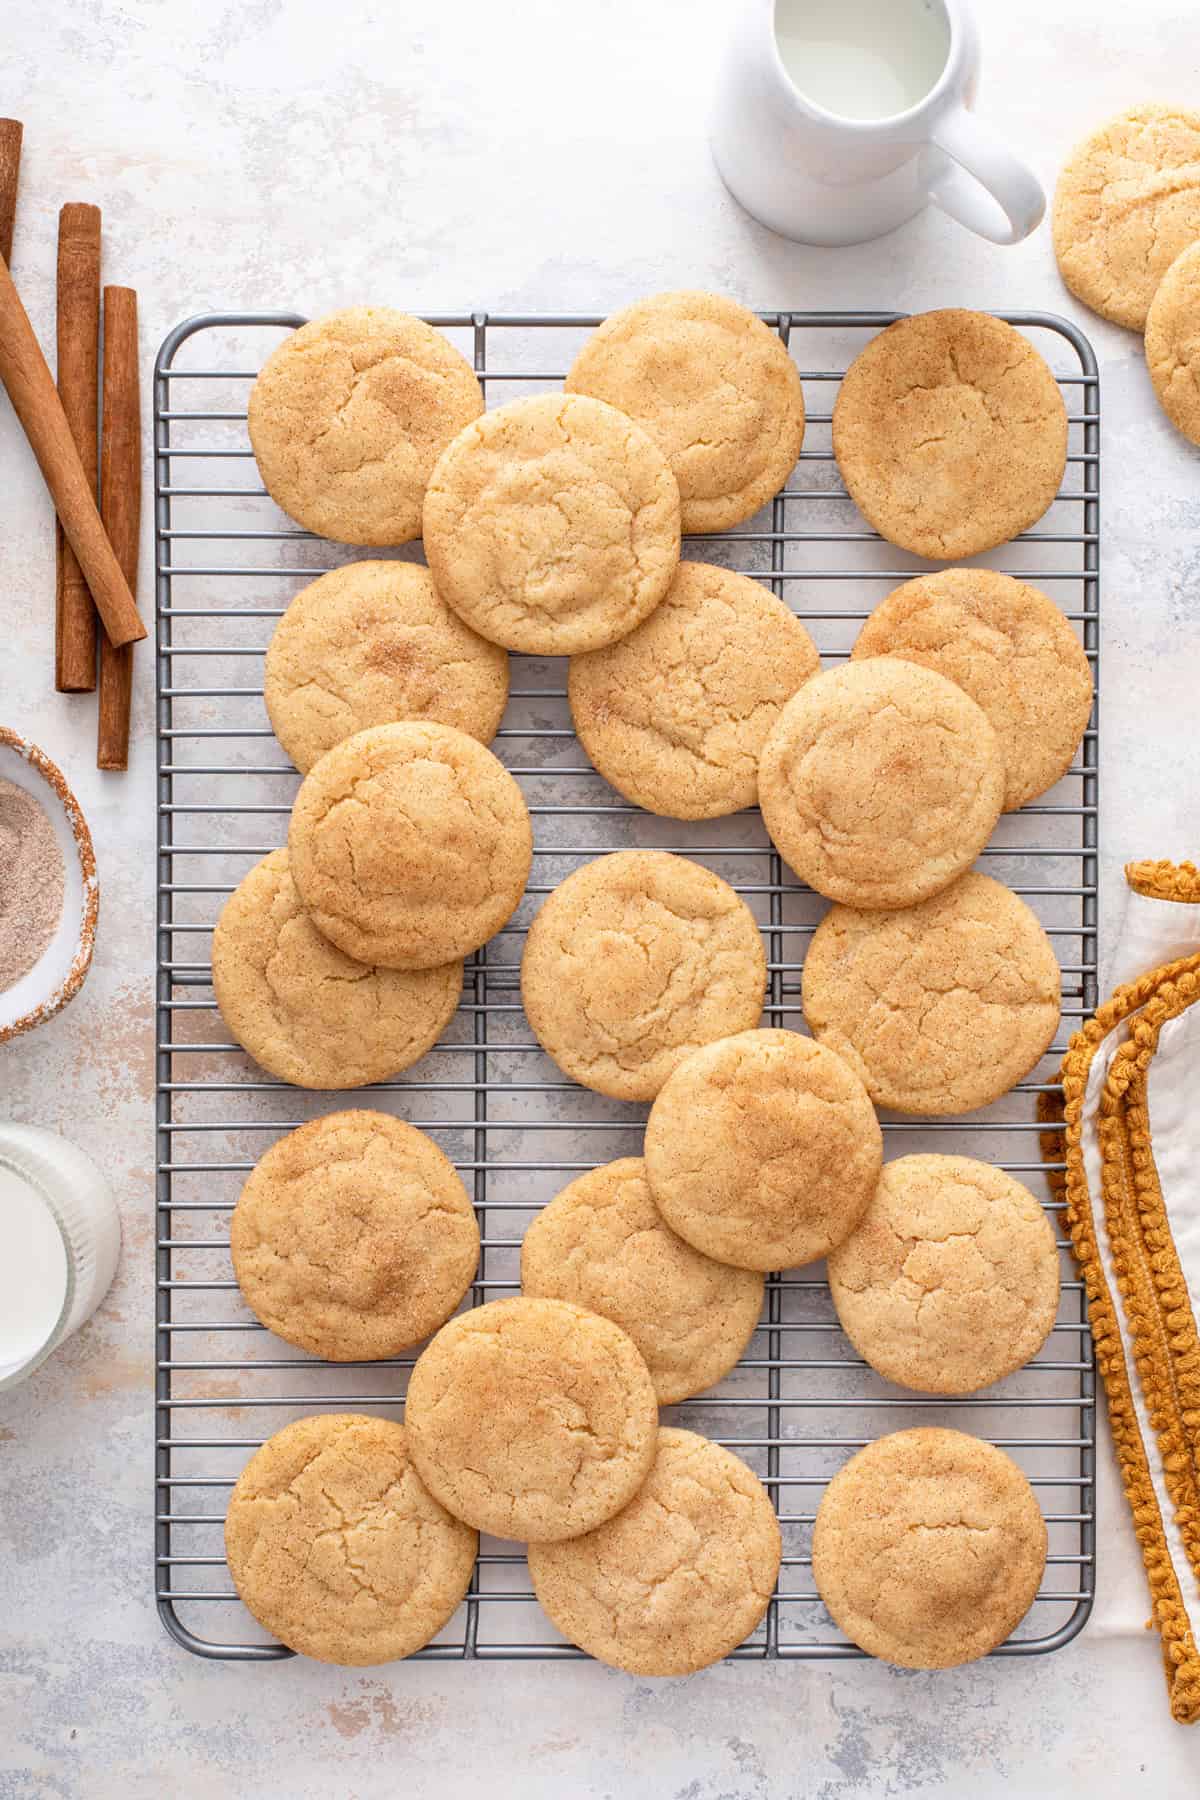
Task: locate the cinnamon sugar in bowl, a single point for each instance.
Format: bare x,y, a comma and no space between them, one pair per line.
58,972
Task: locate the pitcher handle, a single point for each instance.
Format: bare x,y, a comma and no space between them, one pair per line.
983,186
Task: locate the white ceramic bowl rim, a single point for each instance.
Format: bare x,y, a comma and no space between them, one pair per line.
59,972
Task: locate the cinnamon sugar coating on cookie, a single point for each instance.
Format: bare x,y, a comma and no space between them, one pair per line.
679,1578
410,844
336,1546
763,1150
715,388
880,782
941,1007
929,1547
348,417
950,433
950,1279
551,525
634,961
306,1012
532,1419
675,714
1127,203
603,1244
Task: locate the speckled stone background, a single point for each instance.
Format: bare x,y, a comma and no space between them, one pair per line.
293,154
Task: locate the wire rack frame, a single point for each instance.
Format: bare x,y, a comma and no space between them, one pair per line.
227,562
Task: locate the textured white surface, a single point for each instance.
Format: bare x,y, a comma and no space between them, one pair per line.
290,154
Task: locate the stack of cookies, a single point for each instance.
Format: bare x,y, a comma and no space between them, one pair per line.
553,526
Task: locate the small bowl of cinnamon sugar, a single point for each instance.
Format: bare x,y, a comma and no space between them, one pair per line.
49,893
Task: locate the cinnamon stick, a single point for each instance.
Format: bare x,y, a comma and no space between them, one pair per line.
35,400
79,390
11,133
120,509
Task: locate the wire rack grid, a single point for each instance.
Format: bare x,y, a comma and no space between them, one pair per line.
800,1401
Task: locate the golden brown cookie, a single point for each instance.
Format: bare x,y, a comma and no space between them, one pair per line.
763,1150
715,388
602,1244
674,716
369,644
1173,342
950,1279
942,1007
1127,203
337,1548
679,1578
928,1548
880,782
348,417
532,1419
634,961
304,1011
552,525
950,433
1008,646
354,1237
410,845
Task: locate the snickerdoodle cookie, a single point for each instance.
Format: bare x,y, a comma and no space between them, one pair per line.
602,1243
304,1011
950,1279
1173,342
942,1007
354,1237
348,417
532,1419
552,525
1008,646
880,782
763,1150
674,716
928,1548
680,1577
335,1545
372,643
1127,203
636,960
950,433
410,845
715,388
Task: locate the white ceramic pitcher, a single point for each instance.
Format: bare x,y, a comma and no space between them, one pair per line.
812,174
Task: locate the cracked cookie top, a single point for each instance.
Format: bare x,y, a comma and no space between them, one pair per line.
763,1150
532,1419
1127,203
880,782
679,1578
1173,342
1008,646
410,845
552,525
370,644
950,1279
336,1546
348,417
928,1548
675,714
304,1011
602,1243
715,388
950,433
939,1008
634,961
354,1237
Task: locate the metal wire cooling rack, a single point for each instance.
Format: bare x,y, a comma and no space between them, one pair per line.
800,1402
